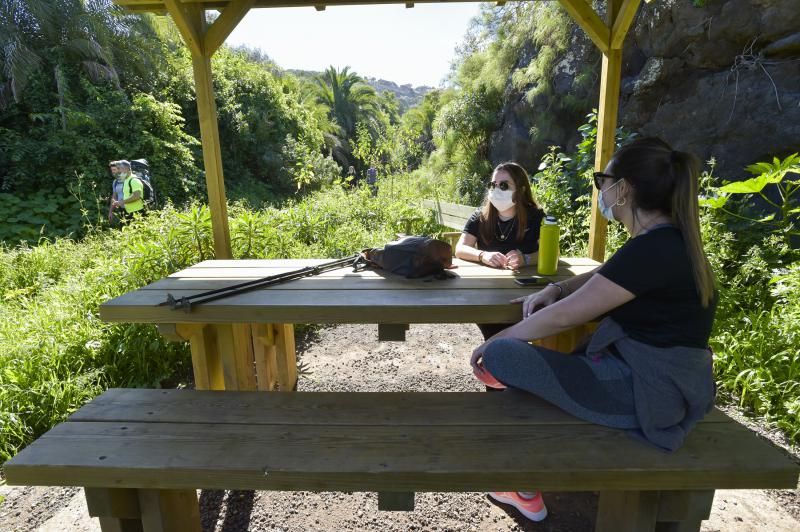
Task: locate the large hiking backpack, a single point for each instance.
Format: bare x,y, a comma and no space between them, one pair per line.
412,256
141,169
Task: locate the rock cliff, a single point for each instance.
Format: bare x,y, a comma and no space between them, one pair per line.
721,80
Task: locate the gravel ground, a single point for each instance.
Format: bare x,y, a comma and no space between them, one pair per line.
434,358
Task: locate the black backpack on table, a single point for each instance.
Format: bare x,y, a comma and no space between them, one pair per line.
411,257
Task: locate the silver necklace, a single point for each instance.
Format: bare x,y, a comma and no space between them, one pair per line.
503,236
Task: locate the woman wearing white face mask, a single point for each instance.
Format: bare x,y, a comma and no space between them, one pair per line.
504,232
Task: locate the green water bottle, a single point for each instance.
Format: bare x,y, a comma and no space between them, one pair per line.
548,246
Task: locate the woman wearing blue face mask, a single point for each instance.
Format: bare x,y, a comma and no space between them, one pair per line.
504,232
647,368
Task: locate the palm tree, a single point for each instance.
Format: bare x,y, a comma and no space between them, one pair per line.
349,101
51,36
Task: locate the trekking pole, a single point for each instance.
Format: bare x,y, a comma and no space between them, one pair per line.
187,302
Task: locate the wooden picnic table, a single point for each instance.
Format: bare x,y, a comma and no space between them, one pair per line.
246,341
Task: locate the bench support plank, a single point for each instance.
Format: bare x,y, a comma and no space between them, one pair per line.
170,511
392,332
144,510
627,511
396,501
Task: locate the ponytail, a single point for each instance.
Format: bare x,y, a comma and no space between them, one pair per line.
686,216
667,180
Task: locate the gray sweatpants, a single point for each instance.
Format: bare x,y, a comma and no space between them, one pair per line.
598,390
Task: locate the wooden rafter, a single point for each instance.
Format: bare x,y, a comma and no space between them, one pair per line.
224,25
623,22
586,17
189,31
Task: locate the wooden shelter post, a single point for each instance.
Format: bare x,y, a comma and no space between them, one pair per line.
203,41
619,16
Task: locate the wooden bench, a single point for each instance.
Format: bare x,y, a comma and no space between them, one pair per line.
140,454
450,215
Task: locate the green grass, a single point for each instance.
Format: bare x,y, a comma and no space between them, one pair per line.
56,354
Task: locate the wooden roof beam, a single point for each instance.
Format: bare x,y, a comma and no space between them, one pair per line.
192,35
586,17
622,23
230,17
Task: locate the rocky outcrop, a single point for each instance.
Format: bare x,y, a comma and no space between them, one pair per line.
407,95
721,80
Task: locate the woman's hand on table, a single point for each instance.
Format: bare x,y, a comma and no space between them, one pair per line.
514,259
495,259
538,300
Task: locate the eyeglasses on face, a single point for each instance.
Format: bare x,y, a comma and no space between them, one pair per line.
598,179
502,185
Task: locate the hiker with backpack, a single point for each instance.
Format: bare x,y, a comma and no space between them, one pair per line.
127,195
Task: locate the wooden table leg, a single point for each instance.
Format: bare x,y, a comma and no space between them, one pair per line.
206,361
222,354
275,356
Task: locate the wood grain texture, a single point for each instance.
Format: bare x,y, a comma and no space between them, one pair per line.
476,294
379,442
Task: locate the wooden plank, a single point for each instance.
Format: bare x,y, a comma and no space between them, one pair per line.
235,347
243,353
406,458
290,264
622,23
432,409
192,35
627,511
155,5
264,351
396,501
285,356
584,15
692,506
113,524
610,76
199,284
170,510
326,306
206,361
119,503
454,209
230,17
116,509
392,332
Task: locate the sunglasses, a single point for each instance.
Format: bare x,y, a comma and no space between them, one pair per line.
502,185
598,179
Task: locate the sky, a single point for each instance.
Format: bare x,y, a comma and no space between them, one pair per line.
390,42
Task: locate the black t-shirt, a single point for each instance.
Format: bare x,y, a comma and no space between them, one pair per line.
667,311
504,236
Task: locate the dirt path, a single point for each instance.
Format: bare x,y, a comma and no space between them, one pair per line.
349,358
